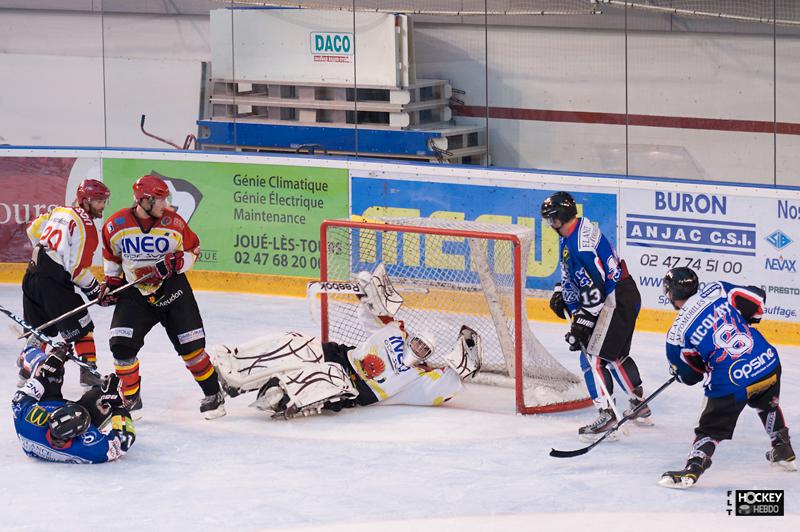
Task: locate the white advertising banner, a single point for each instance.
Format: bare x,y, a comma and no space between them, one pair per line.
747,240
306,46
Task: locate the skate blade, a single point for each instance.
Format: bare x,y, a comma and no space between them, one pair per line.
668,482
785,466
136,415
214,414
643,421
591,438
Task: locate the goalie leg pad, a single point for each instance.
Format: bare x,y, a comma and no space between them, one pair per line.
247,367
304,390
467,357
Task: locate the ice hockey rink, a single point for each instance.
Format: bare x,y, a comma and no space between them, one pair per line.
472,464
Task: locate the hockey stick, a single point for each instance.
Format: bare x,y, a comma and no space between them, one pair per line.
49,341
595,343
602,382
87,305
577,452
186,143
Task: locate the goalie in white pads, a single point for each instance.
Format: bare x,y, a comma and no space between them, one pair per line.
294,374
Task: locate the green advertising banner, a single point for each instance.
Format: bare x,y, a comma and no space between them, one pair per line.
250,218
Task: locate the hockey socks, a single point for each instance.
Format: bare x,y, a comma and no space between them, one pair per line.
199,364
85,349
128,373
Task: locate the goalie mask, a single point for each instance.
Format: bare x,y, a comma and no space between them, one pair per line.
419,347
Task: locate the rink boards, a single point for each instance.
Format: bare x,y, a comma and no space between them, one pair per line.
258,218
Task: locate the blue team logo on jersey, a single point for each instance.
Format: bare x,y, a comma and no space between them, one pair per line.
583,278
395,348
614,271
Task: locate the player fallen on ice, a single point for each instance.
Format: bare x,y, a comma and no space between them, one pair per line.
54,429
294,374
595,283
64,241
711,339
151,238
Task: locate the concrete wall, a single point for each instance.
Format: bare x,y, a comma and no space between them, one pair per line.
54,66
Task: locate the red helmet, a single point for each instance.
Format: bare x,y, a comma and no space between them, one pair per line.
150,186
92,189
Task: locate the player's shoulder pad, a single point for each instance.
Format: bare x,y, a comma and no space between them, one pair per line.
691,310
173,220
589,235
83,216
118,220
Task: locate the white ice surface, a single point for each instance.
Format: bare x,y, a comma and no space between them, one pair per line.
470,465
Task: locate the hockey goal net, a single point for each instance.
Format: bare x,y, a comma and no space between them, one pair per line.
451,273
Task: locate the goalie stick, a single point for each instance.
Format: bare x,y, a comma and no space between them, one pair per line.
577,452
87,305
49,341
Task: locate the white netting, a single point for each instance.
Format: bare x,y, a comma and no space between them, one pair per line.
786,12
449,280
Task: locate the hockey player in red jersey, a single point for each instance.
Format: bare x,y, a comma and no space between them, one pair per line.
64,241
151,238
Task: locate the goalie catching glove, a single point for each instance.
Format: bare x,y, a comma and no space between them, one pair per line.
467,357
379,295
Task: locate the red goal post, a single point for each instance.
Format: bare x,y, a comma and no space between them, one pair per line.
451,273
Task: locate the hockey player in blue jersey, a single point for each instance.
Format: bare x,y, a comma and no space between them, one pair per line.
593,278
711,340
53,429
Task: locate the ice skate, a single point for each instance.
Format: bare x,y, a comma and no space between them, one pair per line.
213,406
688,476
594,430
782,454
644,415
134,406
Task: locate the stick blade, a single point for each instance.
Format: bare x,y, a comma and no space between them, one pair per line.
568,454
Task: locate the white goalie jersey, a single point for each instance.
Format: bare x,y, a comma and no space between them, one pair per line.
296,363
380,363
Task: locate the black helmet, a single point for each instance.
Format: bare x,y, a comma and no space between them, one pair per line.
68,421
680,284
560,206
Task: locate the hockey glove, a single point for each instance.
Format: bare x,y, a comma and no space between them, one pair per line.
580,331
122,427
110,396
51,372
673,369
169,265
92,291
557,304
109,285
